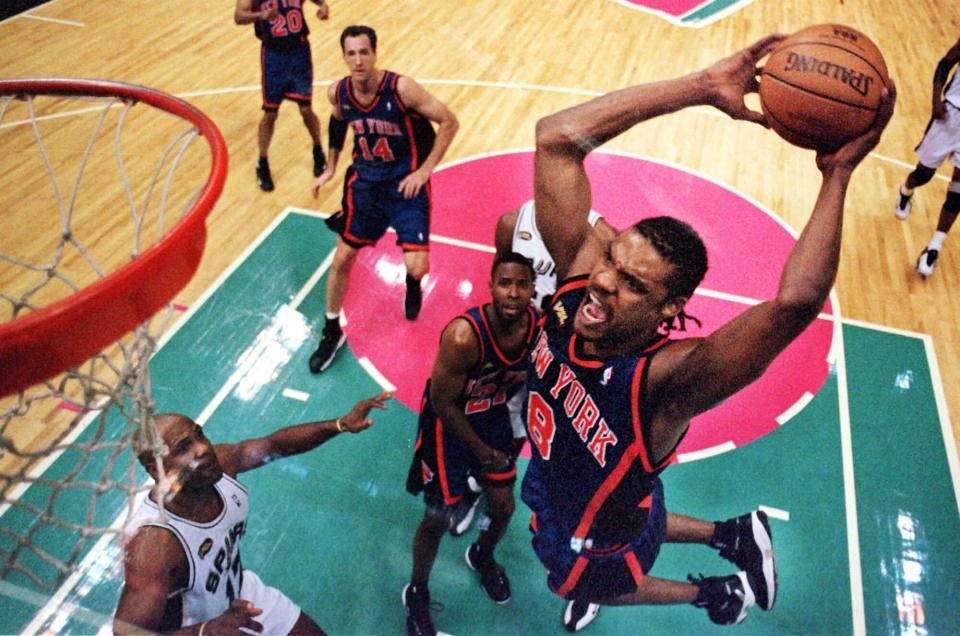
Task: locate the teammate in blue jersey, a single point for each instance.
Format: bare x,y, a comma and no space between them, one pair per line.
286,71
465,430
395,149
611,395
182,571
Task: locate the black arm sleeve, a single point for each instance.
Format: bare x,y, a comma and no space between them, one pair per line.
336,133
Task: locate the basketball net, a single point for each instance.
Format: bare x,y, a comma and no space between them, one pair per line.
106,176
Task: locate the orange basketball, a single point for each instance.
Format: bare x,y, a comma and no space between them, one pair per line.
821,86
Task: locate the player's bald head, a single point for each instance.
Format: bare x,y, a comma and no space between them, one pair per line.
168,424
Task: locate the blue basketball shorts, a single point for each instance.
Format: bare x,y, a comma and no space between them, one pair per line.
369,208
597,572
286,74
442,463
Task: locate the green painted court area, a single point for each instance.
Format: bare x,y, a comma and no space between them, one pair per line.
877,550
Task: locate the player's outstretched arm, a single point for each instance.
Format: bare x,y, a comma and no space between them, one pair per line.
417,98
564,139
696,374
293,440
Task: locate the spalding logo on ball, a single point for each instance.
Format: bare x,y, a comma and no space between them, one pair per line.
821,87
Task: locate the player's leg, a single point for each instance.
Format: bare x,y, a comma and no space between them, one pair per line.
338,279
948,215
480,554
411,219
273,80
301,91
938,143
921,175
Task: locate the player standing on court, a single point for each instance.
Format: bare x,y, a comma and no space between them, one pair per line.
465,430
611,395
395,149
286,71
941,141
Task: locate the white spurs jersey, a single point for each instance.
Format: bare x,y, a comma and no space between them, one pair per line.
951,93
212,549
527,241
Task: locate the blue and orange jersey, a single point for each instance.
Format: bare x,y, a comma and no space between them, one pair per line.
590,465
286,31
495,378
389,140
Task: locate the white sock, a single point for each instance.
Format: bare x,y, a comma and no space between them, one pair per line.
333,315
905,191
936,243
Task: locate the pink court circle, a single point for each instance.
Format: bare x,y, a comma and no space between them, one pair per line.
747,248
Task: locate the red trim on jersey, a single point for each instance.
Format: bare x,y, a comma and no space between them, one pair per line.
575,572
496,345
606,489
533,522
479,334
441,467
635,411
411,141
376,96
297,97
414,247
346,226
634,566
572,353
574,283
500,476
396,94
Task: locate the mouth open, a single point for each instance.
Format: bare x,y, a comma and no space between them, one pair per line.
592,311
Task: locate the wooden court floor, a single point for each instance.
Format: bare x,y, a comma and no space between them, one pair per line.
500,66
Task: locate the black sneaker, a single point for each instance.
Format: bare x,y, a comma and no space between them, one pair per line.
902,209
417,603
413,299
492,577
726,598
264,180
464,512
746,542
926,261
579,614
331,341
319,161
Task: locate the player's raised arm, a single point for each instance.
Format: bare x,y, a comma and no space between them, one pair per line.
697,374
564,139
940,80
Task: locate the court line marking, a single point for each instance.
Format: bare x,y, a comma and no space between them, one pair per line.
704,453
797,406
949,441
857,605
775,513
375,373
54,20
294,394
679,21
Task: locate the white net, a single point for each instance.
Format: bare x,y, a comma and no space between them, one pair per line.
89,185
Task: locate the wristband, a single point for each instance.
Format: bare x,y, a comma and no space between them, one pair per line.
202,625
339,425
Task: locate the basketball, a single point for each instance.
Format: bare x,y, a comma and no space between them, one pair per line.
821,87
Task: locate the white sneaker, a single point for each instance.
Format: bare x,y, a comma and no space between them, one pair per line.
579,614
902,208
926,261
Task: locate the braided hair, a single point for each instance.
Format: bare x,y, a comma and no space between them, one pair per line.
680,245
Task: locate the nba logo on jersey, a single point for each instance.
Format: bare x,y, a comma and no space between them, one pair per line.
607,374
427,474
236,500
389,106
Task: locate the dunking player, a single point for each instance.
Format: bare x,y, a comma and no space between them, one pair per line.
465,429
394,152
611,396
286,68
941,141
517,231
183,575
